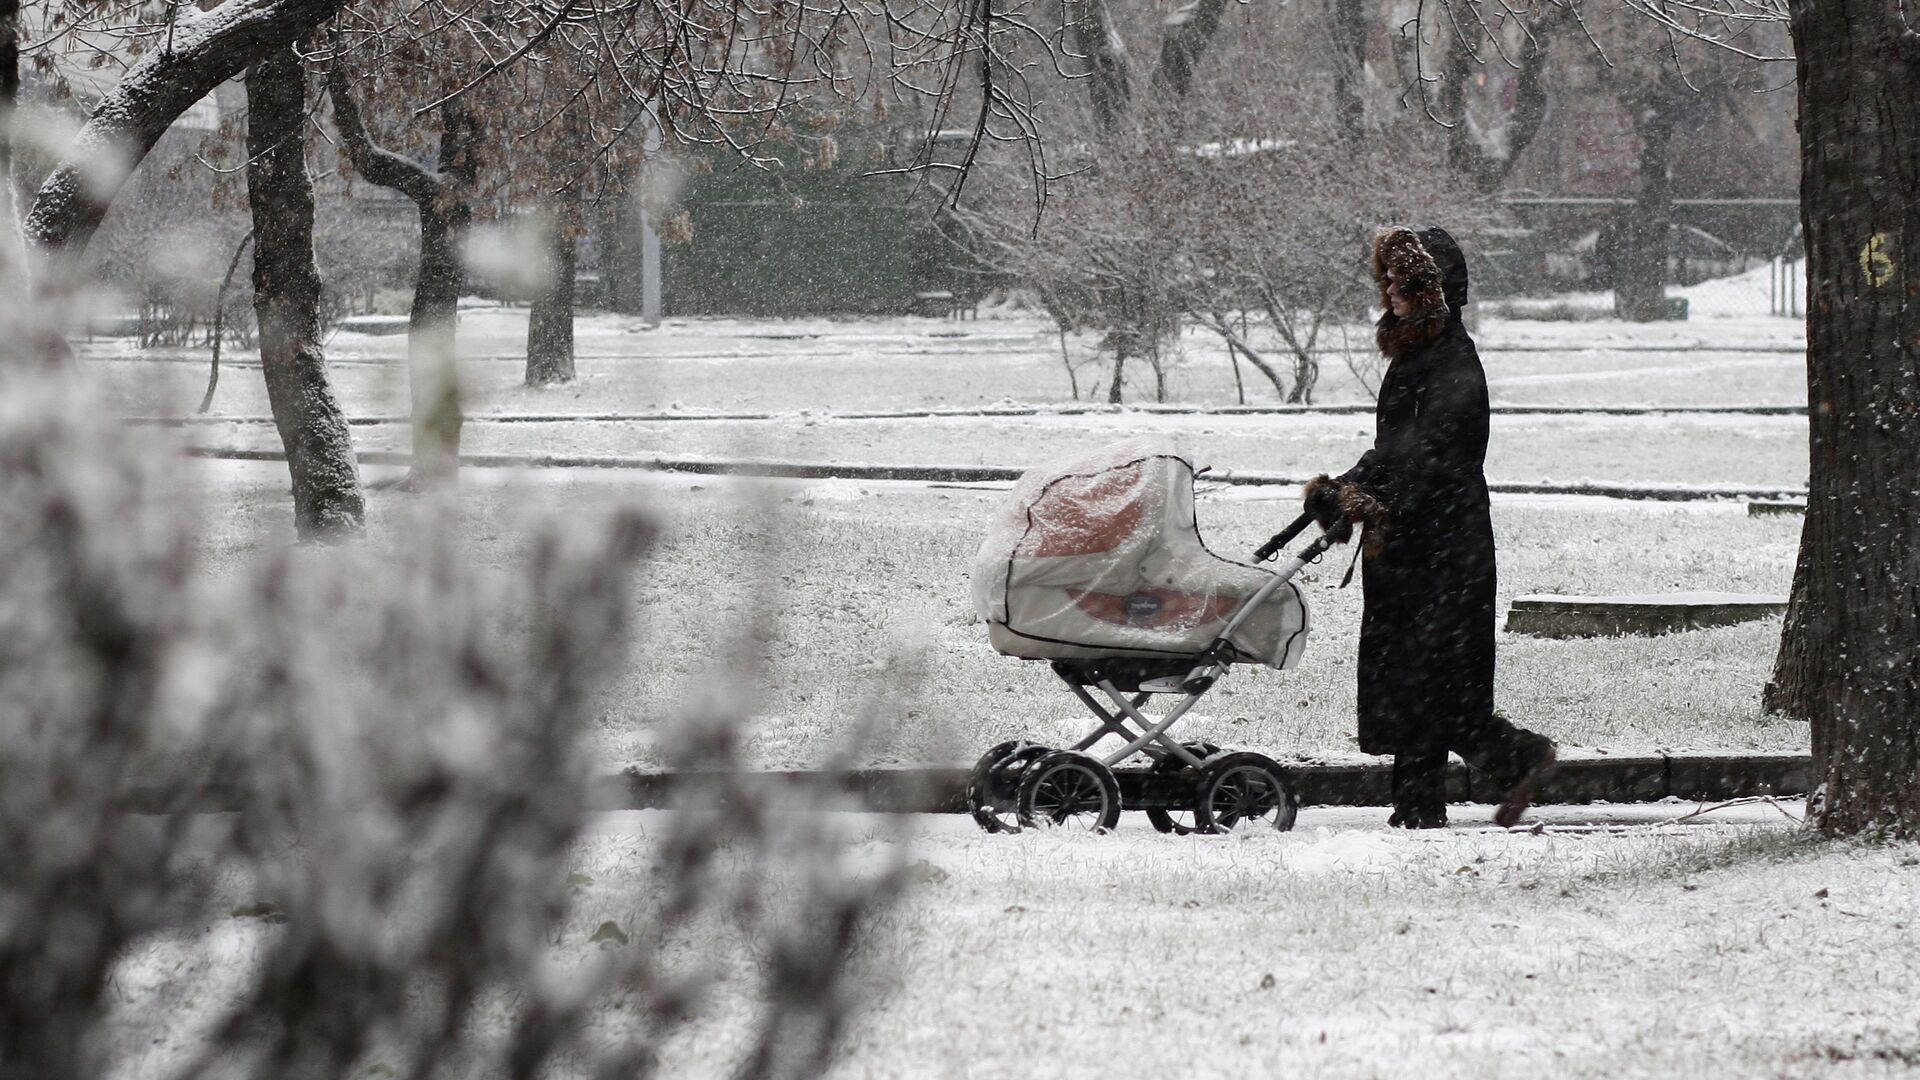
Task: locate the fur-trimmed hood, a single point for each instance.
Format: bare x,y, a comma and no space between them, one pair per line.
1433,272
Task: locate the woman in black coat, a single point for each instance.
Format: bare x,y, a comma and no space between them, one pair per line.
1426,634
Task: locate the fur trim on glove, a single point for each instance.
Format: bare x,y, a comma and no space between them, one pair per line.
1322,499
1330,500
1361,508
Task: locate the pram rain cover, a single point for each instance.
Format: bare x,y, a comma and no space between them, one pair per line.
1101,557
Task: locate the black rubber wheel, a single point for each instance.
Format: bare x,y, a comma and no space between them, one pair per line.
1069,789
1243,789
1177,822
993,789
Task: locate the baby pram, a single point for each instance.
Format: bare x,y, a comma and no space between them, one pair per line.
1097,566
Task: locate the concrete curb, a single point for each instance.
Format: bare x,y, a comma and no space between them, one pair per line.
964,474
935,790
1709,778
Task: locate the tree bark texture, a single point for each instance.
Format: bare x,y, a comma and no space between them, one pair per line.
444,201
1349,32
1185,43
12,249
1847,661
550,323
327,501
1640,277
1109,82
1489,170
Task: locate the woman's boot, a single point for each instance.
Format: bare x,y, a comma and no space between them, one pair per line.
1517,760
1419,791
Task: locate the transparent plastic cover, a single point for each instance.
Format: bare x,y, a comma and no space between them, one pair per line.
1102,556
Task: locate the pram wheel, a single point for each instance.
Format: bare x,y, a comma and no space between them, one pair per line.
1069,788
1243,789
994,789
1177,822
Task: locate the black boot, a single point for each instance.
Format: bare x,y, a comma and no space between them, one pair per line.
1518,761
1419,791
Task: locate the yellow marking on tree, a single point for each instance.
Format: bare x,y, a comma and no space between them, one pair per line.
1875,264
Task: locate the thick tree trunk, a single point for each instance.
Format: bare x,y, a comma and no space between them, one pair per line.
550,323
1847,660
13,263
1640,280
286,299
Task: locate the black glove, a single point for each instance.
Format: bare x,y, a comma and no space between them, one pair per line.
1322,500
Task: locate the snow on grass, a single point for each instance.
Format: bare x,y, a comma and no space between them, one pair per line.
1663,449
784,366
1704,951
857,601
840,584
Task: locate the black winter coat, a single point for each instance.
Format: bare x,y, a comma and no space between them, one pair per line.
1427,631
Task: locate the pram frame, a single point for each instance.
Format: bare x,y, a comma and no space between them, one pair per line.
1208,666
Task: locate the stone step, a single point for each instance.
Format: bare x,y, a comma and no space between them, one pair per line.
375,324
1613,616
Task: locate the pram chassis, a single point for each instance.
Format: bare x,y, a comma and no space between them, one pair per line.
1020,784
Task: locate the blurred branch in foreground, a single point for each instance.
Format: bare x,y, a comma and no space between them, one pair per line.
405,737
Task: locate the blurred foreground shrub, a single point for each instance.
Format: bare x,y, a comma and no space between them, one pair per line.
397,742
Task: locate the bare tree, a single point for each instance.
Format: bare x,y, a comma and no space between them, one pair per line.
327,501
185,56
1236,204
444,196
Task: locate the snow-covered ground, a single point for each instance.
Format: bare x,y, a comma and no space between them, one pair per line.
827,366
1730,948
1675,449
1611,942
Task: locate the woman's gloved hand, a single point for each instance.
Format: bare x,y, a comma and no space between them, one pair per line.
1322,500
1332,501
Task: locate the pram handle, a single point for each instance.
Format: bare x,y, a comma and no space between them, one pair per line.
1282,538
1340,533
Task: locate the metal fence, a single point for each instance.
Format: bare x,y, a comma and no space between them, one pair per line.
1730,257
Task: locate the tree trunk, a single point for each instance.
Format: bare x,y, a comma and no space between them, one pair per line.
1119,368
1109,83
1640,282
13,255
444,199
286,299
1306,375
434,319
550,323
1847,661
1349,32
434,379
1185,43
